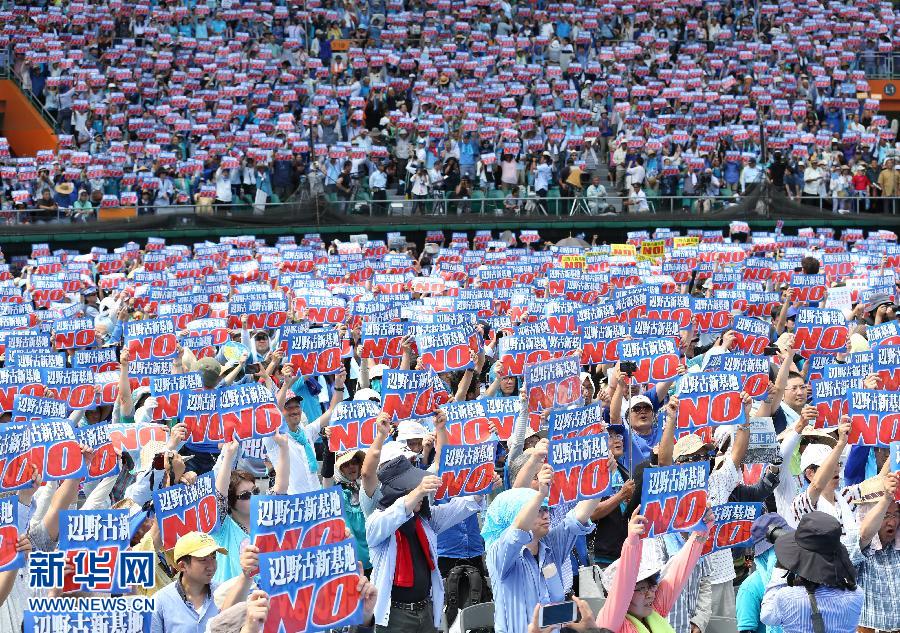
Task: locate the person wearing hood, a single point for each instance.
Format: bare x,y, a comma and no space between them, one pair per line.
402,536
813,580
750,594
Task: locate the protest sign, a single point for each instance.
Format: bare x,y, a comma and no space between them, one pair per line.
353,425
315,353
75,387
709,398
569,423
580,468
518,351
751,335
732,526
184,508
808,288
600,342
74,333
407,394
168,390
382,341
16,468
9,535
673,498
656,359
447,350
471,421
54,449
287,522
104,462
242,412
131,437
97,360
151,339
763,447
712,315
27,408
466,470
829,397
313,589
93,541
820,330
874,417
887,365
554,383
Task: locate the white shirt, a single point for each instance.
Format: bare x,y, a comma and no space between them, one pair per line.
378,180
223,186
639,199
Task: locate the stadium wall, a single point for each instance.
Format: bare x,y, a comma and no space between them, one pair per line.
23,126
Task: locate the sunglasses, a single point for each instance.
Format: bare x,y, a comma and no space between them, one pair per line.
245,496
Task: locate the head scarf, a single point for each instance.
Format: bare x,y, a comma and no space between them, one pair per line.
502,512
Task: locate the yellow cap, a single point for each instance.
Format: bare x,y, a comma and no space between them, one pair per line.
197,544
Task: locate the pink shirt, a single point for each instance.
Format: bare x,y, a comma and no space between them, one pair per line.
612,615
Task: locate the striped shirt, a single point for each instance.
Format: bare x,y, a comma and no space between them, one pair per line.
879,577
520,581
790,608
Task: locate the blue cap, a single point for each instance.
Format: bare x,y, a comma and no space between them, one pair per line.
760,529
136,520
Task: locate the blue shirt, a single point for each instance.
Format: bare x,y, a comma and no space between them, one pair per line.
463,540
173,613
519,581
789,607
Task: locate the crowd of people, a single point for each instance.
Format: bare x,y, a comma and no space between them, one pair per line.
822,554
223,103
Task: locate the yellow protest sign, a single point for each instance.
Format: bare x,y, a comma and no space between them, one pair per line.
687,241
573,261
652,249
622,250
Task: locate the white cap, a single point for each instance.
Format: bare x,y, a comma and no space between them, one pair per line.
410,430
366,394
814,455
639,399
394,449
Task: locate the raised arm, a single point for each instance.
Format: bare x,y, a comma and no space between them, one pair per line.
126,403
336,398
826,470
525,518
666,448
373,454
872,522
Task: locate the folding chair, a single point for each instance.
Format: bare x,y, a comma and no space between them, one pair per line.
476,617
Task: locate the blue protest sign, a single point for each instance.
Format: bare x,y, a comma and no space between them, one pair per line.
673,498
580,468
186,508
313,589
466,470
289,522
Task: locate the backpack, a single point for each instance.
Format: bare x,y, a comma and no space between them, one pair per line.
463,588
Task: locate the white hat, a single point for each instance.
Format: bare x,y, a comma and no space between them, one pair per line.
410,430
814,455
721,434
639,399
377,371
394,449
384,122
650,566
366,394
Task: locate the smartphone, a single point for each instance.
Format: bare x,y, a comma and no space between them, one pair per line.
159,461
771,350
252,368
559,613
